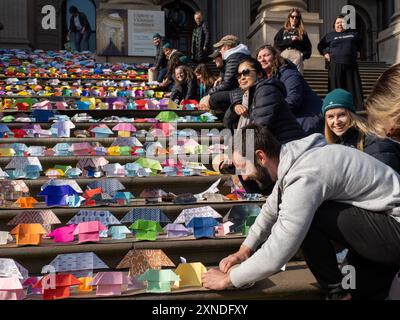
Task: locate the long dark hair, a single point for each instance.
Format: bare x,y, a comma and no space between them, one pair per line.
300,23
208,78
254,64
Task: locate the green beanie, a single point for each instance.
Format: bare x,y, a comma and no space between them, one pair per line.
338,98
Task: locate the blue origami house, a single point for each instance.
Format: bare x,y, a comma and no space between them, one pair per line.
19,149
42,115
203,227
149,214
81,105
3,129
57,195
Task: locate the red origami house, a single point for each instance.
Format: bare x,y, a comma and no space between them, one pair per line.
23,106
62,284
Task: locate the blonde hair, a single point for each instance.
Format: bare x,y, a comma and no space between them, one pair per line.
355,122
277,61
383,104
300,25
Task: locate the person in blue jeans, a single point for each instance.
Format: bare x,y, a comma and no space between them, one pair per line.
79,26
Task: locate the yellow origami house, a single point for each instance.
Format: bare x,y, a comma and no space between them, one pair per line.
190,274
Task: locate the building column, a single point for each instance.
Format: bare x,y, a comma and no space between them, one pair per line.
272,15
389,39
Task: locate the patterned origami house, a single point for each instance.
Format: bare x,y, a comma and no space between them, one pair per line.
92,167
46,218
203,227
150,214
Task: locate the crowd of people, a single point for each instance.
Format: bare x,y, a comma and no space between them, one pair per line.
331,176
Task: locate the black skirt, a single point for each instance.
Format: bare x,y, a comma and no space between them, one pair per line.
347,77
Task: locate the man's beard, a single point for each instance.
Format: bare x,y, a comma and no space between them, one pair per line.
262,176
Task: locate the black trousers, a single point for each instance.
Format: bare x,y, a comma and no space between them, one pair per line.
220,101
373,240
347,77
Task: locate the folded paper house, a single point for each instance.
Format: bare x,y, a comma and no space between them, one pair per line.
167,116
154,195
124,129
11,268
28,234
63,234
5,237
159,281
89,231
78,264
105,217
63,282
73,173
91,166
57,195
85,284
190,274
46,218
127,142
114,170
152,164
146,230
3,175
138,261
82,149
247,225
203,227
7,152
176,230
26,202
54,173
149,214
11,289
223,229
118,232
74,201
239,214
109,186
42,116
20,149
28,286
202,212
60,182
123,198
110,283
101,131
63,149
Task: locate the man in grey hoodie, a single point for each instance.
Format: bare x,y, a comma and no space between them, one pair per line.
323,193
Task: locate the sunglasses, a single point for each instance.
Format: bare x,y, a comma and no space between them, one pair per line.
295,17
245,73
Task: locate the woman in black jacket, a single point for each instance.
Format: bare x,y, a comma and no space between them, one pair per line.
292,40
343,126
185,87
341,49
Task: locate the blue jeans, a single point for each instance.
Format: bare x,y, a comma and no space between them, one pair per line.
161,74
79,38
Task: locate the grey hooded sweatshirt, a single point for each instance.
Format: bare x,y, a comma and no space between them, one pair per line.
311,172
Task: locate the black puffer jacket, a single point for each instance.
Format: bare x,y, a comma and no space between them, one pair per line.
269,108
186,90
232,62
385,150
200,39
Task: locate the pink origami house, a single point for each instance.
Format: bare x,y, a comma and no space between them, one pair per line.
223,229
82,149
11,289
89,231
64,234
110,283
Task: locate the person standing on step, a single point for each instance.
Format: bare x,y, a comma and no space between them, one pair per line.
200,39
341,49
343,126
160,64
79,26
323,193
292,40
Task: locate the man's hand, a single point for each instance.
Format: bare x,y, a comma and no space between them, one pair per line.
295,38
153,69
216,280
217,82
237,258
241,110
327,57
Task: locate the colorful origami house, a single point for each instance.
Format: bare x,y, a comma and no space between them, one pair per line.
26,202
203,227
149,214
101,131
20,149
3,130
42,116
118,232
57,195
89,231
63,234
105,217
81,265
24,167
73,173
139,261
136,170
5,237
159,281
46,218
176,231
167,116
114,170
124,129
123,198
54,173
146,230
63,282
11,289
239,214
109,186
28,286
28,234
110,283
82,149
153,165
153,195
202,212
223,229
92,167
190,274
127,142
247,225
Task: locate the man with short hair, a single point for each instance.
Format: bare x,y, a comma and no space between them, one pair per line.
160,63
200,39
79,25
232,52
323,193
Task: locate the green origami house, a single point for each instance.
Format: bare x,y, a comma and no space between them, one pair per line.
247,225
146,230
159,281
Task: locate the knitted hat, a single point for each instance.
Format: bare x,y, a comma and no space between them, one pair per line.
156,36
338,98
167,46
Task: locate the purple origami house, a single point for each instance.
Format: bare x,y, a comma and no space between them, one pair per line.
110,283
175,230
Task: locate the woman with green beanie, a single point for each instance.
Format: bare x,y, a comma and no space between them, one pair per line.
344,126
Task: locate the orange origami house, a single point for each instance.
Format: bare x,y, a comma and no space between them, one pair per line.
26,203
62,284
28,234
